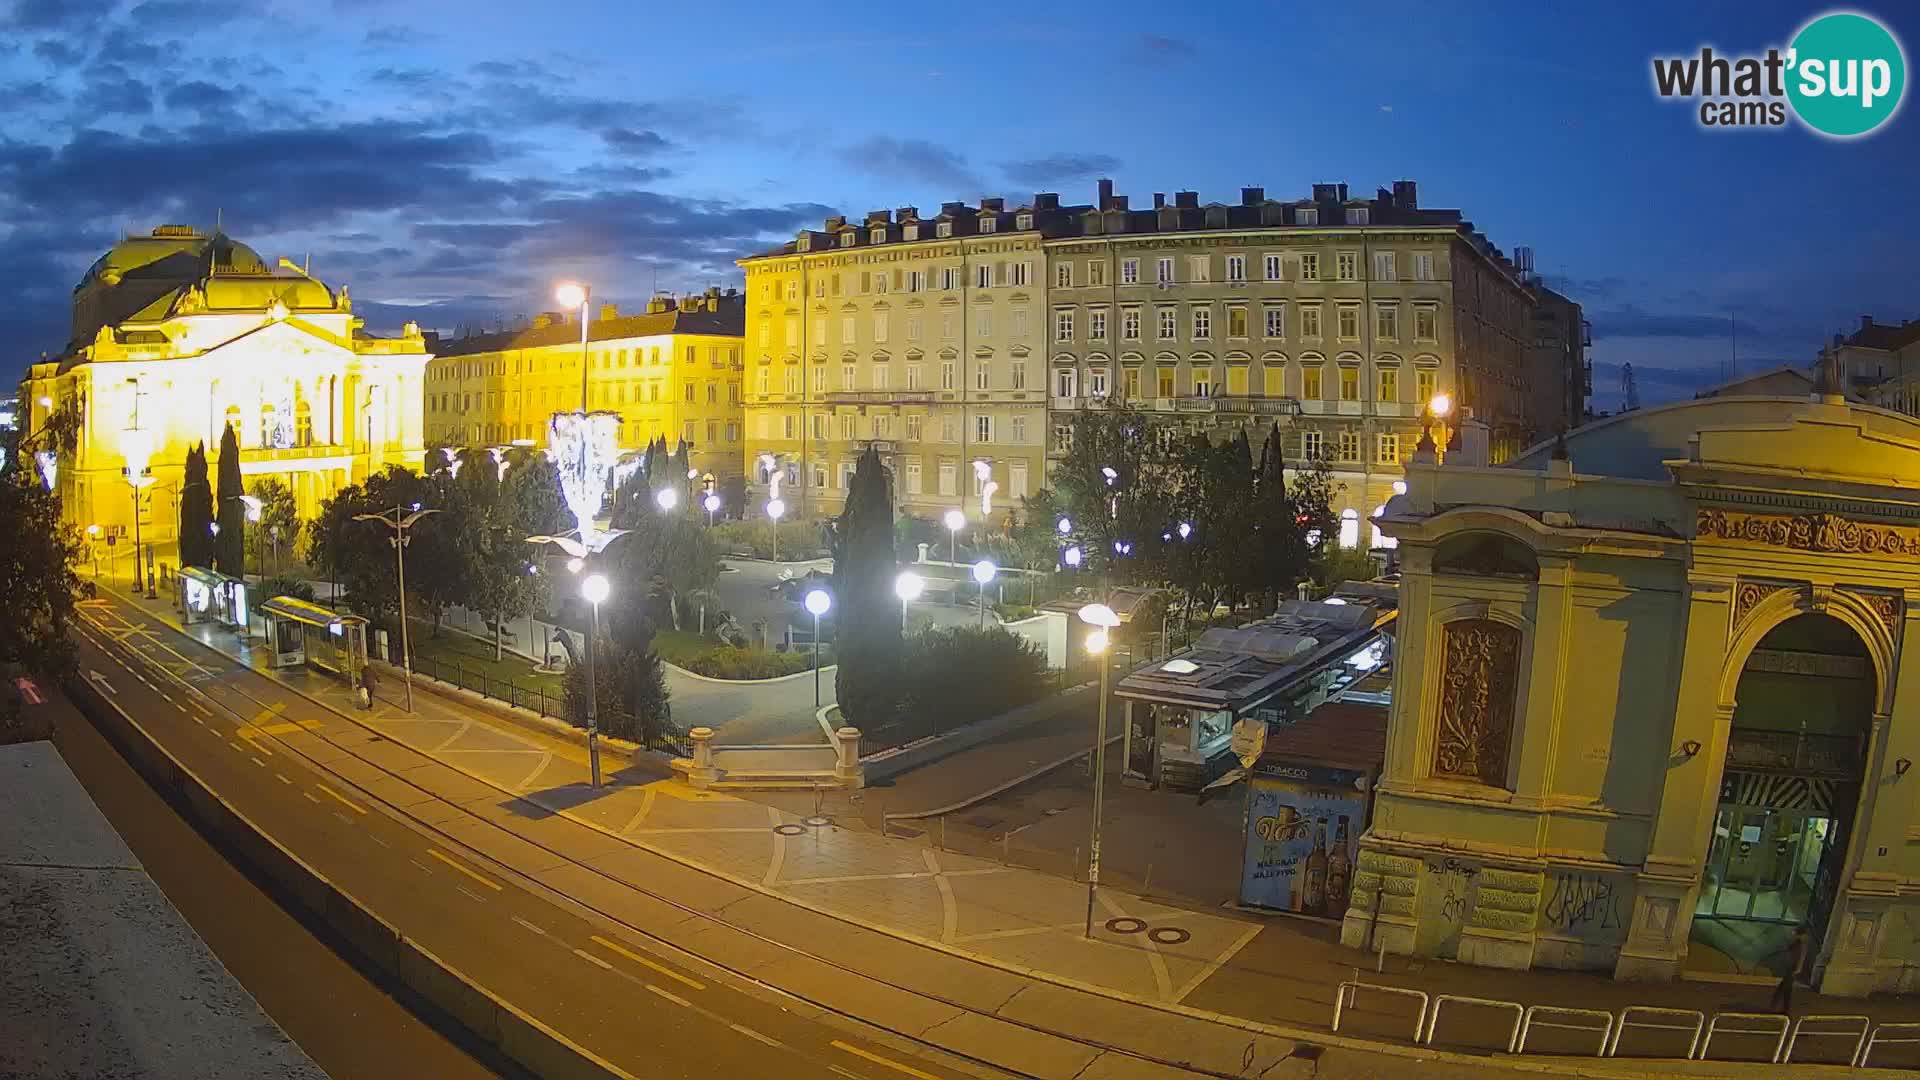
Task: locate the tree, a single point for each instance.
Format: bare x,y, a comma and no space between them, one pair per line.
36,576
960,674
229,545
1134,504
358,555
631,700
1313,493
279,526
196,511
867,646
1280,529
493,562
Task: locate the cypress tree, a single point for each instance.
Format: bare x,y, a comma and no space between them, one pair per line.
196,511
866,612
229,548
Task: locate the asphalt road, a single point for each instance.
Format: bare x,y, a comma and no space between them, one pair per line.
574,971
345,1019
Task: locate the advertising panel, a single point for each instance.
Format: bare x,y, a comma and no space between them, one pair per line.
1303,834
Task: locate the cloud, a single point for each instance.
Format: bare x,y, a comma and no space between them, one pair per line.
910,159
113,92
57,14
621,174
394,36
1161,47
201,96
27,95
1588,289
1631,322
187,14
1056,168
633,142
58,53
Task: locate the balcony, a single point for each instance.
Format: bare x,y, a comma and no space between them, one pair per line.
1795,752
1259,406
879,397
1196,403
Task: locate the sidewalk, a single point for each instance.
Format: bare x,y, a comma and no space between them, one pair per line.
901,911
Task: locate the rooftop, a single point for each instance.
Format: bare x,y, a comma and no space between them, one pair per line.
1238,668
715,312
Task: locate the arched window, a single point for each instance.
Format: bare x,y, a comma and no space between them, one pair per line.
1349,529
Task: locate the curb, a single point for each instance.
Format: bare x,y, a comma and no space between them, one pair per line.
493,1020
746,682
915,815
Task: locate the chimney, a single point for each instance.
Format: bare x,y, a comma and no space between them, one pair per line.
609,312
992,206
1187,200
1343,192
951,208
1159,200
1406,194
878,217
907,213
1119,202
1252,196
1866,323
1046,200
1327,192
1106,194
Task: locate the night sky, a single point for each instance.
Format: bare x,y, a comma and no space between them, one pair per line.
450,160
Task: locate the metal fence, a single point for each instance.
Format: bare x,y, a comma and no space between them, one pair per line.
537,699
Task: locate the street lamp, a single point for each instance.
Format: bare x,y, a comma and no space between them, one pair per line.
817,603
1072,557
1103,620
93,546
666,499
712,505
908,587
1064,525
399,525
1185,530
954,521
137,449
593,589
983,572
1441,404
775,509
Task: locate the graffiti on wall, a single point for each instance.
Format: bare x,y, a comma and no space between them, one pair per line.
1446,896
1586,905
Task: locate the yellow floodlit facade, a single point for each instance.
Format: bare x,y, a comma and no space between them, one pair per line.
672,372
178,335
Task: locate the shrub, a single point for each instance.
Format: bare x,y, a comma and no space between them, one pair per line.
630,692
798,539
728,662
282,585
957,675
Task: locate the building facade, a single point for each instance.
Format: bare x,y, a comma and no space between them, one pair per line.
1652,706
178,335
1881,362
974,336
673,372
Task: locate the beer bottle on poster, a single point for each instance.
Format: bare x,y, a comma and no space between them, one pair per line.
1339,872
1314,898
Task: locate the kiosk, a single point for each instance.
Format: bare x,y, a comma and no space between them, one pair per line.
301,632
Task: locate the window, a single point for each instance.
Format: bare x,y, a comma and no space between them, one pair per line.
788,424
1310,321
1096,272
1347,266
1199,268
914,423
1129,324
1349,519
1097,382
983,429
1424,320
1063,275
820,378
1423,385
1129,271
1236,268
847,333
1236,322
1383,269
1423,266
949,428
1386,322
1021,272
1349,383
1387,452
1019,431
1019,322
913,328
713,393
1203,382
733,431
1310,266
949,277
1387,384
1357,215
883,427
916,376
984,326
1064,381
1274,379
879,326
793,384
983,375
1163,381
1163,271
713,432
849,377
1348,447
1097,324
1169,324
1349,322
1023,221
983,276
1017,374
877,236
946,375
1132,383
988,223
1310,446
1310,383
1272,262
947,478
1063,326
819,472
1063,437
880,282
946,328
760,383
916,281
846,427
1276,322
913,466
765,333
943,229
819,331
879,376
1202,324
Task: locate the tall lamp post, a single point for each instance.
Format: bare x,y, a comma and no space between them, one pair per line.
1103,620
983,572
712,505
593,589
572,294
138,451
666,499
818,601
907,587
954,520
399,525
776,508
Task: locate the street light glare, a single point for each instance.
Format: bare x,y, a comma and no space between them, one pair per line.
1097,642
775,509
1441,405
666,498
574,565
908,586
818,601
570,294
1099,615
1186,529
955,520
984,570
711,503
594,589
1073,555
1064,525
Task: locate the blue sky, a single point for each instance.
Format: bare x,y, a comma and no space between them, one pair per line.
450,160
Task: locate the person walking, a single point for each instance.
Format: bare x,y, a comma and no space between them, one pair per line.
1796,955
368,684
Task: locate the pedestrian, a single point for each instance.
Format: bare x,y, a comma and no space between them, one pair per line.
1796,955
368,684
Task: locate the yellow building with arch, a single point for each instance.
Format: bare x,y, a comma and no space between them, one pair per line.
1653,705
179,334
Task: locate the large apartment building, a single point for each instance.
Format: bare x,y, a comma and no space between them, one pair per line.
1881,363
974,335
673,371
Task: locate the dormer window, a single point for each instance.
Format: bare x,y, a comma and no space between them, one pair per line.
1356,215
879,236
1024,221
987,223
943,229
806,243
1307,215
911,232
847,238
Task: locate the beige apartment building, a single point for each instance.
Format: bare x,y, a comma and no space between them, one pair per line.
974,336
673,372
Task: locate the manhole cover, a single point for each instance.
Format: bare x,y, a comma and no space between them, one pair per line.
1126,924
1168,935
818,821
789,829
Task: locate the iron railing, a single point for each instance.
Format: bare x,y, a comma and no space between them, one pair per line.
539,700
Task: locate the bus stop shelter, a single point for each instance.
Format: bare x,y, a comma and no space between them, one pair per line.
300,632
206,596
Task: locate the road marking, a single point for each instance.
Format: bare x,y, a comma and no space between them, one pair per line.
675,998
344,819
199,721
878,1060
379,841
528,925
310,797
638,959
424,868
101,681
842,1072
481,878
258,762
752,1034
592,959
283,779
470,894
342,799
236,747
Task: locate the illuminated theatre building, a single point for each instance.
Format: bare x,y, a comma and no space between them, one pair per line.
179,334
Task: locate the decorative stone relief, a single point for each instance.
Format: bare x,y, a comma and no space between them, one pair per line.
1886,608
1749,595
1392,878
1507,900
1480,667
1808,532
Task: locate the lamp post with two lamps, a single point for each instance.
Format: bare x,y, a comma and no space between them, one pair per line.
594,589
954,520
983,572
712,506
137,449
907,587
1103,620
399,525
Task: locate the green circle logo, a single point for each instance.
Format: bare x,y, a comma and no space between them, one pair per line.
1846,75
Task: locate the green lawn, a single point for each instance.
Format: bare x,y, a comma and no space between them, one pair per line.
476,658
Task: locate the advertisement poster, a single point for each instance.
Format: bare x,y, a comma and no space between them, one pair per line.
1303,834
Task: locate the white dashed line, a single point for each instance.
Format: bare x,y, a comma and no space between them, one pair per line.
675,998
528,925
592,959
310,797
344,819
260,763
283,779
379,841
471,895
752,1034
424,868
